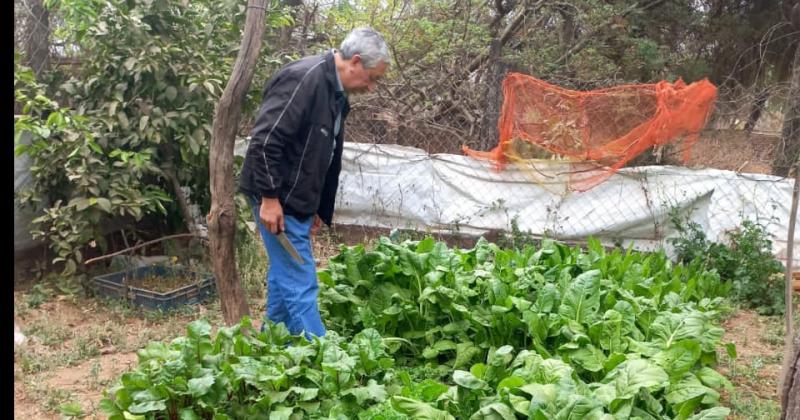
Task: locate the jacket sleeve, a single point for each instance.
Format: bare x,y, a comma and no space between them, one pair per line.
280,116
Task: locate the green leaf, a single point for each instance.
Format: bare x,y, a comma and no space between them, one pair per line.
687,408
123,120
171,93
108,406
371,392
582,298
71,409
589,357
465,353
713,379
430,390
468,380
188,414
671,327
200,386
419,410
129,63
478,370
679,358
304,394
541,394
581,408
687,388
716,413
147,406
281,413
634,374
104,204
730,348
511,382
81,203
494,411
199,329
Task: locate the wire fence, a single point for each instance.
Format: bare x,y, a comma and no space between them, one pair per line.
407,171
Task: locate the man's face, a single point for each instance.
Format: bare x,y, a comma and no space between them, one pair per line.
361,79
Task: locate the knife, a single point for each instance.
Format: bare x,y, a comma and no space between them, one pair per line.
289,247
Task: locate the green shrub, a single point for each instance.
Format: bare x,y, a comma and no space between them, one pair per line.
747,263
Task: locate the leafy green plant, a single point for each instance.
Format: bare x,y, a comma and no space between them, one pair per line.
418,330
242,373
746,263
591,310
38,295
78,182
71,410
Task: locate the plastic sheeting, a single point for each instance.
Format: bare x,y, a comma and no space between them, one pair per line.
22,215
402,187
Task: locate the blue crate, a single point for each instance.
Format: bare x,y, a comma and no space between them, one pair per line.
113,286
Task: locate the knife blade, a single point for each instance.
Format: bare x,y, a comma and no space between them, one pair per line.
287,245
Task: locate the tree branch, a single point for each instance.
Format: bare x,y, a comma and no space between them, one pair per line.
135,247
591,35
506,35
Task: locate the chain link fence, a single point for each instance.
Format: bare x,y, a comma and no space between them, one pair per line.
408,172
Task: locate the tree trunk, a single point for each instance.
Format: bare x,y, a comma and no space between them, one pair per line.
790,395
222,217
493,98
789,148
168,169
756,109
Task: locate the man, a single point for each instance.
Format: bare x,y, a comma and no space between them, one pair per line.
291,170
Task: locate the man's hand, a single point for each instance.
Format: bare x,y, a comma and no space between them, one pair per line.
271,214
316,225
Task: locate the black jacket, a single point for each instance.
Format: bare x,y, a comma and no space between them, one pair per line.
292,141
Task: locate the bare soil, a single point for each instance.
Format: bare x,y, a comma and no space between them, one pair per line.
162,284
732,150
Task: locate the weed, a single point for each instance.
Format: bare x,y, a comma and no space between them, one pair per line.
108,334
746,262
752,407
517,239
49,333
86,349
21,309
31,363
38,295
94,375
71,409
52,398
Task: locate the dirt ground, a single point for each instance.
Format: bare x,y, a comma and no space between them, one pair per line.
759,342
731,150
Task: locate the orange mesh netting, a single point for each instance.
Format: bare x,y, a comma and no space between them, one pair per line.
606,127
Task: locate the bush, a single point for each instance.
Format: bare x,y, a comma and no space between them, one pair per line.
747,262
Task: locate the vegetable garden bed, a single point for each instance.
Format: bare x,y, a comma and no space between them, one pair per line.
419,330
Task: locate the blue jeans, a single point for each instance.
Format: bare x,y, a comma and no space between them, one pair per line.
291,287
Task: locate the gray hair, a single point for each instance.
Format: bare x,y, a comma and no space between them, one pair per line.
367,43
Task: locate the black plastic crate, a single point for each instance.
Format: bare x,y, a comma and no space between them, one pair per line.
113,285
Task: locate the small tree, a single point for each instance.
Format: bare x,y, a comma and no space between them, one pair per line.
222,217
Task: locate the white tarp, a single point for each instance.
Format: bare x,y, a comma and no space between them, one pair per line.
402,187
22,215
